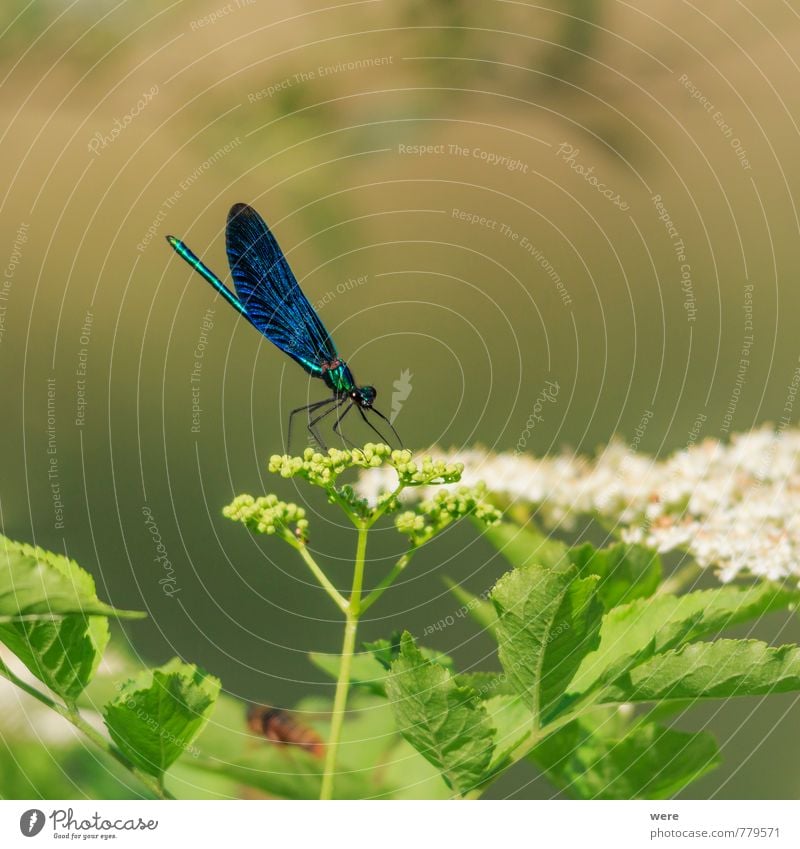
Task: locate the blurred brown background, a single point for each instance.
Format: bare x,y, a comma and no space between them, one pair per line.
487,195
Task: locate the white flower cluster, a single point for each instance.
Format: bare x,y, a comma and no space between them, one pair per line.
734,506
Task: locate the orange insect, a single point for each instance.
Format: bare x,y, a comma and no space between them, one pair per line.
279,726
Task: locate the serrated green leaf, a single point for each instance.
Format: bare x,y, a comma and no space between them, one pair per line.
526,546
548,621
632,633
158,714
38,584
45,602
62,653
445,723
385,651
649,762
486,684
627,572
715,670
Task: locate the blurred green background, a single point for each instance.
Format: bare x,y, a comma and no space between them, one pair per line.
574,129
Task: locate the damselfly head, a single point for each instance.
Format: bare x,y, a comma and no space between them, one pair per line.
365,396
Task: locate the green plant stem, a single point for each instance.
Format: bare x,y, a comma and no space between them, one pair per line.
339,707
385,505
387,581
333,494
354,604
338,598
352,612
72,715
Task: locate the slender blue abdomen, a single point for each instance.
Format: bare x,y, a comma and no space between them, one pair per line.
182,250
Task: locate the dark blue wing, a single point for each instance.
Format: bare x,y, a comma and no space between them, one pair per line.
270,293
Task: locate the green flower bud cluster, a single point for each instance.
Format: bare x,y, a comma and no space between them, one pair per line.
268,515
435,514
397,470
323,469
425,472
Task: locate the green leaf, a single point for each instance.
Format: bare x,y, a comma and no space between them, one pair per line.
632,633
158,714
385,651
512,722
63,653
486,684
627,572
481,611
526,546
715,670
37,584
445,723
365,670
368,669
45,602
649,762
548,621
